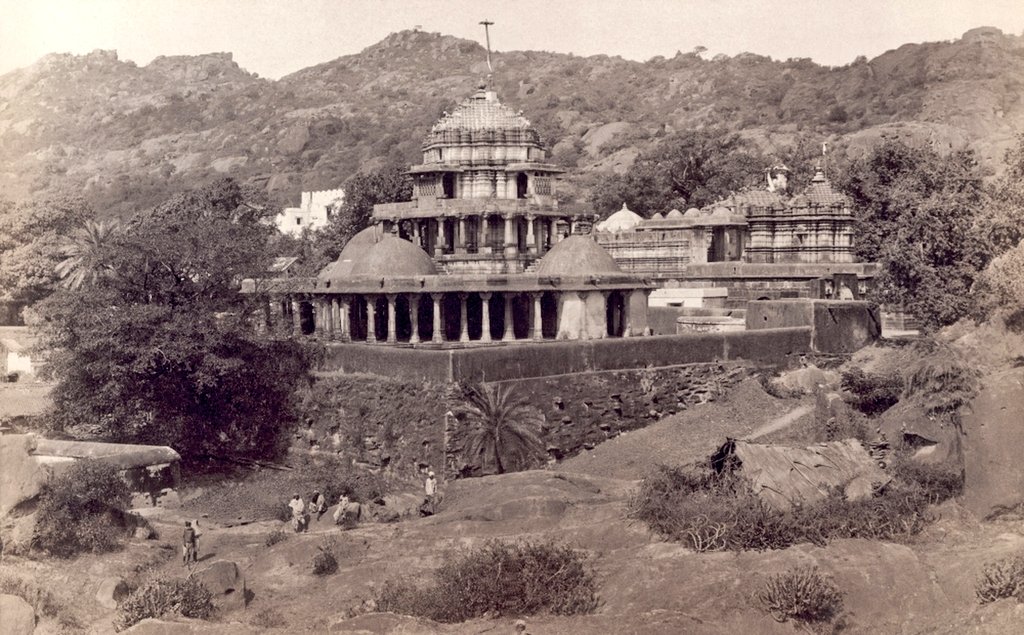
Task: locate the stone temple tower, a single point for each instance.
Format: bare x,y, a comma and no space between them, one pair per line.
484,195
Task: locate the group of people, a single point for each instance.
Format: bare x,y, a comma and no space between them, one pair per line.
302,512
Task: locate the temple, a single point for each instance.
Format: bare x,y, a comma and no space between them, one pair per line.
482,255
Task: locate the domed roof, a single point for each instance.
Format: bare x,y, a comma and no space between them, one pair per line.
354,250
482,111
674,214
622,220
658,216
693,212
394,257
576,256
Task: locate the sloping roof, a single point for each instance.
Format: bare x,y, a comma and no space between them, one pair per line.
281,263
482,111
354,249
577,256
622,220
394,257
784,476
758,198
822,193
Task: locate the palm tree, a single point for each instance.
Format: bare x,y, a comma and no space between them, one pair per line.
85,258
506,427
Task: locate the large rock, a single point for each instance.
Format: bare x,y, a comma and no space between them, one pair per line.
993,471
112,590
21,476
226,582
16,616
806,381
183,626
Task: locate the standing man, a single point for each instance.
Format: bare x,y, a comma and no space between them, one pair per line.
298,507
189,550
430,489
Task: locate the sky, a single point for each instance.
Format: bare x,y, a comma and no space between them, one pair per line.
277,37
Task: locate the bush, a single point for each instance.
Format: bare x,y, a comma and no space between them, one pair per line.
325,562
41,600
500,579
268,618
801,594
83,510
1001,579
941,378
274,537
714,512
157,598
873,394
936,482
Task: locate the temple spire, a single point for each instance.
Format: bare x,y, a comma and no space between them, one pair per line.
487,34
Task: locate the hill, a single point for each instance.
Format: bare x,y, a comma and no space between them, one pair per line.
125,135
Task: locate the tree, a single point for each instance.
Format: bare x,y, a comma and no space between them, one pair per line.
389,184
686,169
163,352
505,427
915,210
1000,225
31,238
87,256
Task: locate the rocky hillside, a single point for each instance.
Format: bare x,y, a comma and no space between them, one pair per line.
125,135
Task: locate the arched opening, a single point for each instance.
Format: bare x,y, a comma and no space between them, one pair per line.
549,315
357,318
448,185
307,320
403,322
474,315
615,313
522,182
380,326
521,235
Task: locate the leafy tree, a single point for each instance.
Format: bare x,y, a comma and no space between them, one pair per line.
915,211
505,427
31,239
163,351
389,184
1000,225
686,169
1000,287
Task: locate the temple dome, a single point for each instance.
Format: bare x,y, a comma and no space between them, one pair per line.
622,220
658,216
354,250
482,111
674,214
394,257
577,256
693,212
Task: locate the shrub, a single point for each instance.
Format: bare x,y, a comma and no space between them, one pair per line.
501,579
268,618
936,482
873,394
941,378
43,603
801,594
715,512
188,598
325,562
82,510
1001,579
274,537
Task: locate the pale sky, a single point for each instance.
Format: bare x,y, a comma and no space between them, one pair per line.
277,37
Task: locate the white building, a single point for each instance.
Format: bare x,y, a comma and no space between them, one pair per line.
314,211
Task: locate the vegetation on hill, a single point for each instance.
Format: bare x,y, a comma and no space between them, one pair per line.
127,136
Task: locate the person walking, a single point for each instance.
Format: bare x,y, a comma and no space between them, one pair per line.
299,517
189,547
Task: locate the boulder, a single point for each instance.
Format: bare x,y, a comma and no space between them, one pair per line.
21,476
994,444
112,590
805,381
144,532
184,626
226,582
18,617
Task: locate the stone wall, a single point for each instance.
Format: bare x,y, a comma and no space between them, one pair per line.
838,326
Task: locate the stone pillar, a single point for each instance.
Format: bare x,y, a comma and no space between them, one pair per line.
296,317
509,333
585,312
481,243
627,328
438,335
344,327
371,319
463,319
460,243
538,318
392,331
531,246
439,245
414,317
510,247
485,320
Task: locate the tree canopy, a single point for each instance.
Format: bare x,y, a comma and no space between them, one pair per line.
389,184
161,350
915,212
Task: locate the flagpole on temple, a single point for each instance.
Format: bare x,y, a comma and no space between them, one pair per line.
487,34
